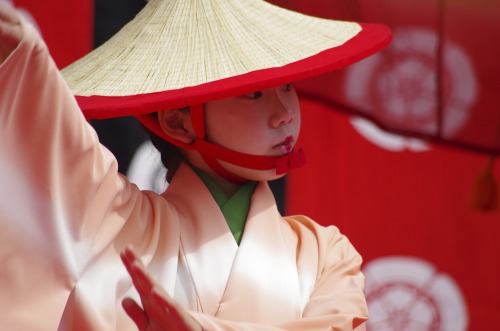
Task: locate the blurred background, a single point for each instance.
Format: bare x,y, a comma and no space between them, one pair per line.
401,149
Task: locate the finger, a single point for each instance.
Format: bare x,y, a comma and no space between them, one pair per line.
135,312
9,14
128,257
163,308
167,312
128,254
10,33
159,307
137,270
141,278
138,274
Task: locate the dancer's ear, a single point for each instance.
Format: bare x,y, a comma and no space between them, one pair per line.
177,124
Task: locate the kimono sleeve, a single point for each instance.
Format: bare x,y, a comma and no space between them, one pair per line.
337,301
58,186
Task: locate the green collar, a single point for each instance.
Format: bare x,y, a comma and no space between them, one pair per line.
235,208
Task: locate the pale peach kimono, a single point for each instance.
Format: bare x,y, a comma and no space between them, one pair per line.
65,215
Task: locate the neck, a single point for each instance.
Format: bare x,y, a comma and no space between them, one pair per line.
227,187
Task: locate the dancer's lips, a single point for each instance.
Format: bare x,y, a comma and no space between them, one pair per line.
285,146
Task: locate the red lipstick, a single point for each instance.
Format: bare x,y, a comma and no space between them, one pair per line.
286,146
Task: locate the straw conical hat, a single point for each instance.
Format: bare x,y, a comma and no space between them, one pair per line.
179,52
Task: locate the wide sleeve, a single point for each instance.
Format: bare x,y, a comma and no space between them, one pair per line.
336,302
58,185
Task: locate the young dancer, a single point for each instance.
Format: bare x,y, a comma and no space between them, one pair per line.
81,246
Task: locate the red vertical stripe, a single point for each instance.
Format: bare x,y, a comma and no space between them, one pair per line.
66,26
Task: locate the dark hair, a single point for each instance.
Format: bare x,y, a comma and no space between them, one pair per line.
171,155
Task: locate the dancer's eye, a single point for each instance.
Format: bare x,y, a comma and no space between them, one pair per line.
253,95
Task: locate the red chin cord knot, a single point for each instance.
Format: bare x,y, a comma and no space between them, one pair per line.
293,160
282,164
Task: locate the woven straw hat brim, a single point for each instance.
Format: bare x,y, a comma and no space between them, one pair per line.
177,53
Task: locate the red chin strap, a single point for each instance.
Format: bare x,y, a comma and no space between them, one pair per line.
212,153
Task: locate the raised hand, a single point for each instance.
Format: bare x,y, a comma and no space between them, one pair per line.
11,31
159,311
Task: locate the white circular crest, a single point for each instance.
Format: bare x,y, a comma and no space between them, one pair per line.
408,294
398,87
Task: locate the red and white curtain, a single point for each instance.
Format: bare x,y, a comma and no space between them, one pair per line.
431,261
